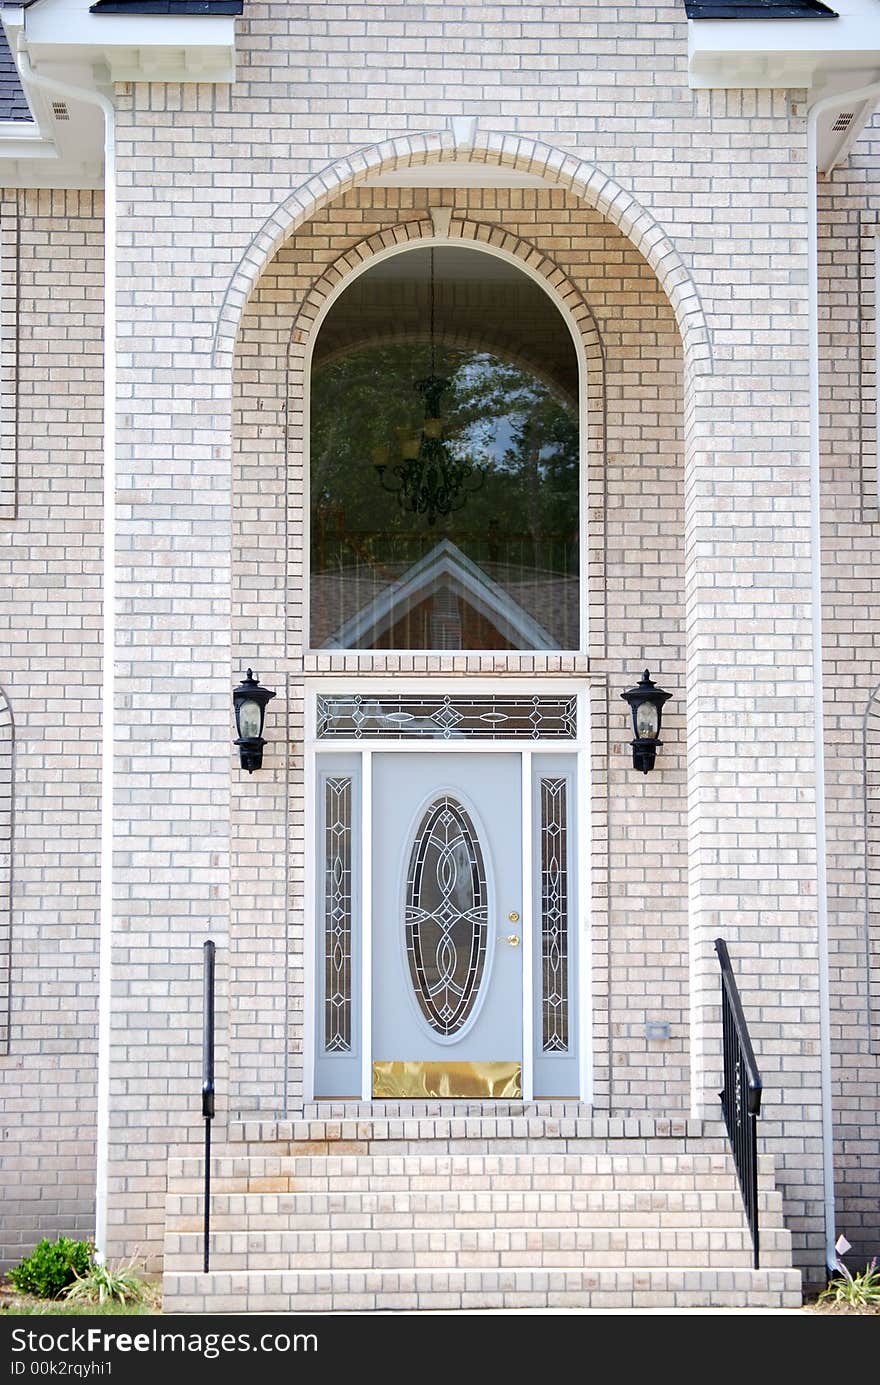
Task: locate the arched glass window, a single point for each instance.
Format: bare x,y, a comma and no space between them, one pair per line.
444,486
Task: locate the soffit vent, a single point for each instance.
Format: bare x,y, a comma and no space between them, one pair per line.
60,111
843,121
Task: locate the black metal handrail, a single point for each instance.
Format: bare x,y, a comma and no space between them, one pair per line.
208,1086
741,1097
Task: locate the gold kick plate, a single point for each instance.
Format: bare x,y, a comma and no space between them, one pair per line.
408,1080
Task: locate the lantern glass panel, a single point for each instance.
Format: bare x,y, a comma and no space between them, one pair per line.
647,720
250,720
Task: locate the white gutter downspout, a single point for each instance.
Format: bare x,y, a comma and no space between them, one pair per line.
94,98
836,101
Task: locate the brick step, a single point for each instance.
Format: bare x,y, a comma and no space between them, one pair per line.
489,1247
435,1122
237,1191
491,1134
309,1291
455,1207
673,1168
281,1154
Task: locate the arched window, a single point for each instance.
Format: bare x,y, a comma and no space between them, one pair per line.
444,460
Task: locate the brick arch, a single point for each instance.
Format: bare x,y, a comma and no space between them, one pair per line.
570,303
554,166
462,228
7,736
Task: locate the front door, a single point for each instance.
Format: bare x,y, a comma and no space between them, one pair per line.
447,898
447,954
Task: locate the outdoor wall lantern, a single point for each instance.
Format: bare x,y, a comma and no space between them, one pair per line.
249,701
646,704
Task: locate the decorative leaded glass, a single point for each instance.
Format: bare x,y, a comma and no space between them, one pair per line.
413,716
446,916
554,916
337,915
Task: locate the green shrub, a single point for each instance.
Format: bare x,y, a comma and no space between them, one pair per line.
50,1267
105,1283
857,1290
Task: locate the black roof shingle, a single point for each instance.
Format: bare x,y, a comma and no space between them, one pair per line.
168,7
758,9
13,102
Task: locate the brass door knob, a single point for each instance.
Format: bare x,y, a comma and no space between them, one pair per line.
511,938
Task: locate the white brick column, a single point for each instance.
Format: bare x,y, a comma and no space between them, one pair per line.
751,771
174,744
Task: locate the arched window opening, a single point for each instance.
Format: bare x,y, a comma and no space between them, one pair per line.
444,461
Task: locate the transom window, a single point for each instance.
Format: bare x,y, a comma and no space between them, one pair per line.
444,461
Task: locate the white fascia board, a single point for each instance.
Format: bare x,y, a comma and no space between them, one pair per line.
69,23
783,52
133,47
16,143
30,173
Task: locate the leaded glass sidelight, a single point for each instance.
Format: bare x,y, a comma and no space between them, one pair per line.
446,916
554,916
449,367
337,914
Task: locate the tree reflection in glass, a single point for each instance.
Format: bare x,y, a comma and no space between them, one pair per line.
501,570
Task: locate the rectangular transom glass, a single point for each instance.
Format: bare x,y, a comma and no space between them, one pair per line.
414,716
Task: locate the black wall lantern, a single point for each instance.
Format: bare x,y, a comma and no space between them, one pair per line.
646,704
249,701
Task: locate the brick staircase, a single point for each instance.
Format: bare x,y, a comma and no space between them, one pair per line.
449,1212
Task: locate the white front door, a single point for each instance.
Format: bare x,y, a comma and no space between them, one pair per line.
447,964
447,910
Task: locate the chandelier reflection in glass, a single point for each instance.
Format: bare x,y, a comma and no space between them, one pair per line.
429,479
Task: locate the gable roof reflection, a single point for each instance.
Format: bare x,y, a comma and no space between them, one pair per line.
444,569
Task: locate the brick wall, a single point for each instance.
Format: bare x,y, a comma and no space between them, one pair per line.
50,632
316,87
849,222
712,188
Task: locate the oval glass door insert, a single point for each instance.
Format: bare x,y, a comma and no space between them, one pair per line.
446,916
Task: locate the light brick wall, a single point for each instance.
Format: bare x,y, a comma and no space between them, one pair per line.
849,221
50,632
723,176
205,579
9,252
7,768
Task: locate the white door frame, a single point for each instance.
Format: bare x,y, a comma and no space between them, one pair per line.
463,686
